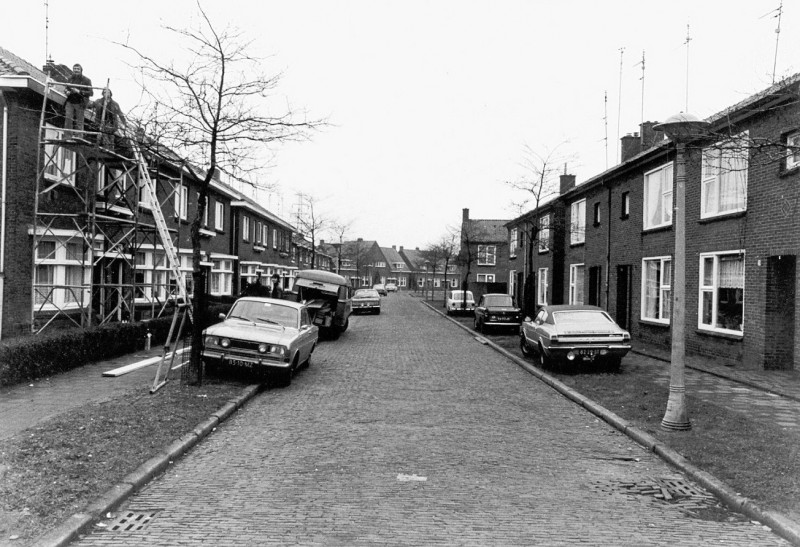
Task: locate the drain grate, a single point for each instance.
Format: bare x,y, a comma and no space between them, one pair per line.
691,500
132,521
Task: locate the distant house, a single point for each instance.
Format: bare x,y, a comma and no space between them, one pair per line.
484,256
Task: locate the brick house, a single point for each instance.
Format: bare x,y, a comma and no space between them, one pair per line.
78,243
742,235
484,256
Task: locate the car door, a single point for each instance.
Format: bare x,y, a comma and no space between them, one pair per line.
538,326
306,335
480,310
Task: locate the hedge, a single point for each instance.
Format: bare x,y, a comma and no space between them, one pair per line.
42,355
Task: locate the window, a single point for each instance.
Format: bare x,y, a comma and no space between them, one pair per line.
245,228
596,214
793,150
62,275
544,234
512,282
403,281
258,233
453,283
274,238
625,206
451,268
576,283
724,177
221,276
205,211
265,234
248,271
658,197
219,216
380,264
111,182
487,255
59,162
420,282
657,289
485,278
512,243
151,276
437,282
722,292
541,293
398,265
182,202
577,216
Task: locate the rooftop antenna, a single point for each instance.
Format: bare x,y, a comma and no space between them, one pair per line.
605,123
641,136
46,31
778,13
619,104
688,39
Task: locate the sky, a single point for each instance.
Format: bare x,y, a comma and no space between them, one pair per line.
434,106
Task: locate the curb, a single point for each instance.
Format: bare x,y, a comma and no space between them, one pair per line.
779,524
80,522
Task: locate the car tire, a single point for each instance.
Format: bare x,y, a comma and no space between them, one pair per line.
307,362
377,312
524,347
544,360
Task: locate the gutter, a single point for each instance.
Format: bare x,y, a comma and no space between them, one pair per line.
3,181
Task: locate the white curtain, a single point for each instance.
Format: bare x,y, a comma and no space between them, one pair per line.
731,272
651,289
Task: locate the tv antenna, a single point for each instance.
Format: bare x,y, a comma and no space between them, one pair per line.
619,99
605,123
688,39
641,136
778,12
46,31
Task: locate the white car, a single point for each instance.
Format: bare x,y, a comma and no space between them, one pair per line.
261,336
455,302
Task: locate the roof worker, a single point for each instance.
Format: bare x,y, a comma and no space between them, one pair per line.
108,117
79,89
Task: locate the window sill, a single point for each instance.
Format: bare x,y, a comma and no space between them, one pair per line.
656,229
579,244
788,172
653,323
207,233
544,252
723,216
258,248
727,335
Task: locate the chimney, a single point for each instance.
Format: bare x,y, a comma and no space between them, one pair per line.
401,248
321,242
360,239
394,248
650,137
631,145
464,214
567,183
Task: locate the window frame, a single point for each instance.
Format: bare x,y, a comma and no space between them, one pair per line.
181,202
487,278
513,242
51,294
713,289
666,188
219,216
792,160
544,234
665,265
573,283
577,222
706,178
487,255
221,277
542,285
596,214
625,205
245,228
62,160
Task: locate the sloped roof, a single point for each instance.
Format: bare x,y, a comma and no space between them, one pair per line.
392,256
414,258
483,230
12,65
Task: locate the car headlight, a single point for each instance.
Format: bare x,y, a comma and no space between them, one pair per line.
263,348
211,341
225,342
279,351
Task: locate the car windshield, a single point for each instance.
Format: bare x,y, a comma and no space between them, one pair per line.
265,312
499,300
580,317
459,295
366,293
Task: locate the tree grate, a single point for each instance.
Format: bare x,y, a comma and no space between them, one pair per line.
132,521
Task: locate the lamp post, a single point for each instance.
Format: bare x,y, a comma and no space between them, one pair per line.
681,128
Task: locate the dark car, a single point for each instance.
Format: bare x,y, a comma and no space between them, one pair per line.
496,311
574,334
367,300
381,288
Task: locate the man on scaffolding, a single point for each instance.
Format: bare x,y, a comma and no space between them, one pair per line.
108,117
79,89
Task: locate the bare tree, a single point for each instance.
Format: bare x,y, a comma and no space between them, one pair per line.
310,221
214,111
339,230
444,252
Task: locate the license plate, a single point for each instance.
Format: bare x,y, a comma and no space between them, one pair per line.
240,363
589,352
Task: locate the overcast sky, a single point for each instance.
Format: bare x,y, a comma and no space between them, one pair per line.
432,103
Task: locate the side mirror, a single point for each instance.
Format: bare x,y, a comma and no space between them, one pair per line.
222,316
527,319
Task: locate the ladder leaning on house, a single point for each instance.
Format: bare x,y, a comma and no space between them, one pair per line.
183,304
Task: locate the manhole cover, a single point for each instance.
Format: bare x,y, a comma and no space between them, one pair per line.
132,521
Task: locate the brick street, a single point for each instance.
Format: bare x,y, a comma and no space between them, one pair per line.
406,431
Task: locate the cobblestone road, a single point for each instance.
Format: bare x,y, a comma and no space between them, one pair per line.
406,431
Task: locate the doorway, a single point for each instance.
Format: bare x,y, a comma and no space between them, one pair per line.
624,275
779,313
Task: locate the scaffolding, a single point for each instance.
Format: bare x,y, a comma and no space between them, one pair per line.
96,217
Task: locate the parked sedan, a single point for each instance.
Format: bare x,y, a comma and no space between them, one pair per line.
391,287
574,334
456,302
496,310
367,300
381,289
261,335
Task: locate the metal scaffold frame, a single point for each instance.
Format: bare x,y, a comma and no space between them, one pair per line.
86,250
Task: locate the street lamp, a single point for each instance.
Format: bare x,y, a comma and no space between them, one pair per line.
681,128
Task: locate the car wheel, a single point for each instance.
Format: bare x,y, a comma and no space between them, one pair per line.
307,362
523,346
378,312
544,360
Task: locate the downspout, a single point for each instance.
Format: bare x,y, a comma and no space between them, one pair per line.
608,250
3,184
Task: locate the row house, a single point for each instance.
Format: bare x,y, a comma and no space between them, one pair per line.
78,243
398,269
484,256
610,241
425,275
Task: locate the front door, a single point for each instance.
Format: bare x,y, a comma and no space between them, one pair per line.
779,313
624,296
